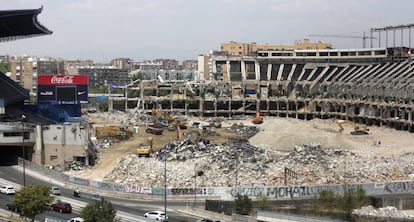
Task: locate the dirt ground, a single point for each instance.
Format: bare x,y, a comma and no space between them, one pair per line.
276,133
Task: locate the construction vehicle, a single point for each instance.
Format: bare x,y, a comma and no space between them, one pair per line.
112,132
258,119
358,129
145,150
180,134
172,122
156,129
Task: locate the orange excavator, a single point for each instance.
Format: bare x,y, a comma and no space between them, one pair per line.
258,119
180,134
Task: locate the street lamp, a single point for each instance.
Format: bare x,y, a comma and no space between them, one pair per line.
165,179
195,185
23,152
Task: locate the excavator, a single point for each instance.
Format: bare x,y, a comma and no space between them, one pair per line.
358,130
172,122
112,132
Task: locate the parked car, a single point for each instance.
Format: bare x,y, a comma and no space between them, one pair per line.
157,215
55,191
207,220
12,207
76,219
61,207
9,190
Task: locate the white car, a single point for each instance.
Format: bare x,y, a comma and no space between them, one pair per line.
157,215
9,190
76,219
55,191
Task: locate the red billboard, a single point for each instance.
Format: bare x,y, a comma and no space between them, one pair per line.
62,89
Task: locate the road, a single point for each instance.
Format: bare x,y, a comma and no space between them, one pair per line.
127,209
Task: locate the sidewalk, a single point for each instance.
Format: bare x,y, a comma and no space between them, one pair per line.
197,212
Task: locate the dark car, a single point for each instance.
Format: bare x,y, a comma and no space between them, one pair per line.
62,207
12,207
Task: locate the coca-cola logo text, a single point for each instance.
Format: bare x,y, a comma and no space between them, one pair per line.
62,80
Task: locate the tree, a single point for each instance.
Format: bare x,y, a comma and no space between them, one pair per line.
264,203
4,67
243,204
99,211
327,200
32,201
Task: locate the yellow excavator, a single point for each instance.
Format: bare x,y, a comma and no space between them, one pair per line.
358,129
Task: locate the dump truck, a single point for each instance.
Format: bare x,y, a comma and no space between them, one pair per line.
145,150
155,129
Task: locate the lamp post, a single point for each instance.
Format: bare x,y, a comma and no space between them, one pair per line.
237,169
23,152
195,185
165,181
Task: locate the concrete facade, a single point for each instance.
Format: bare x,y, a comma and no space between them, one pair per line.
367,86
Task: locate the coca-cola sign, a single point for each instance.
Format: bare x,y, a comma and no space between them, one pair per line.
61,80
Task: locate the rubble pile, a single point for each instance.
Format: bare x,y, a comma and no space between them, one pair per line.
224,164
384,213
130,118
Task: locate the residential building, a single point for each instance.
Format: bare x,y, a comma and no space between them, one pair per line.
25,70
240,49
101,76
122,63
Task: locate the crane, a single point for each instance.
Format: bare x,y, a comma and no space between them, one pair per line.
364,37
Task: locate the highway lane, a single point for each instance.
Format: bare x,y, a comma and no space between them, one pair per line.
127,208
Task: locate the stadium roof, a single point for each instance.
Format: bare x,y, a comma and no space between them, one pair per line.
19,24
11,91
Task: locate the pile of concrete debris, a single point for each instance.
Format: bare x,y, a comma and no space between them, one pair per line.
241,164
382,214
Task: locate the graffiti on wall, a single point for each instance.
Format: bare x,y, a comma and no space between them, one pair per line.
284,191
399,187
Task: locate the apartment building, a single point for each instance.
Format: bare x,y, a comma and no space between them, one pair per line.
239,49
25,70
122,63
101,76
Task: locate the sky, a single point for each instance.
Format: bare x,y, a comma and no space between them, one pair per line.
183,29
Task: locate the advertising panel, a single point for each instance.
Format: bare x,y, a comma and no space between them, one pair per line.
62,89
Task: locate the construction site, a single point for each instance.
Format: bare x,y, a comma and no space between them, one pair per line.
280,118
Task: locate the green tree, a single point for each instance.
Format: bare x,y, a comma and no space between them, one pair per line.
4,67
354,198
32,201
327,200
264,203
243,204
99,211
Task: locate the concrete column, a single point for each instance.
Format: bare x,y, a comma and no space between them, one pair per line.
215,107
228,68
243,70
296,109
278,108
38,152
410,113
257,70
269,70
287,108
126,99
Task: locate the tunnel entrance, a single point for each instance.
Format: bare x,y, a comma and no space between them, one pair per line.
9,154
